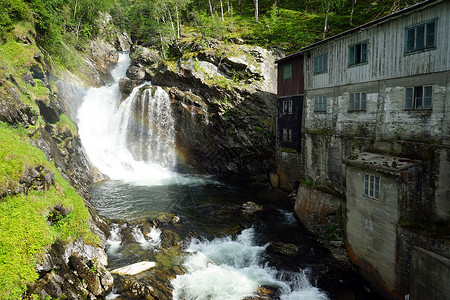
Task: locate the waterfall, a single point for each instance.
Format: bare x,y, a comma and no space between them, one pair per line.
132,140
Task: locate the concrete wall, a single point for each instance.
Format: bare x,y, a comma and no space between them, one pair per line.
430,276
371,227
289,169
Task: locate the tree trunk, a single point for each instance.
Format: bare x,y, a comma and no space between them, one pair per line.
229,7
353,9
178,23
221,10
210,8
325,27
255,2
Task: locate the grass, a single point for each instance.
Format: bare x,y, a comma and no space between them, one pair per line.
25,232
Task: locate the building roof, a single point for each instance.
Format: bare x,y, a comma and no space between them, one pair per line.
381,163
384,19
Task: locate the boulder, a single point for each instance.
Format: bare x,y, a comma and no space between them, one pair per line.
134,268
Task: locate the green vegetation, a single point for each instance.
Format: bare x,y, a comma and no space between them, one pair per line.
25,232
289,24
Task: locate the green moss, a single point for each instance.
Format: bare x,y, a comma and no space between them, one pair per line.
24,230
65,123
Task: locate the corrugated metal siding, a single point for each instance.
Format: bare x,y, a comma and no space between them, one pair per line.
386,57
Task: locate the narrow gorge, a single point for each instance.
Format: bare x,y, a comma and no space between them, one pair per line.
166,164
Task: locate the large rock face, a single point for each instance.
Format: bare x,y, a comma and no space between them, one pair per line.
223,100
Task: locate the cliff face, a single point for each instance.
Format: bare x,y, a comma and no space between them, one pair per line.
38,205
223,100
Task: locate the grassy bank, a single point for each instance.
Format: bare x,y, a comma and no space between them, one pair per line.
25,232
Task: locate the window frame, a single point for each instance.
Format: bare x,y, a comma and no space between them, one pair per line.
287,71
287,107
362,102
320,63
287,134
424,93
320,104
353,61
371,186
415,49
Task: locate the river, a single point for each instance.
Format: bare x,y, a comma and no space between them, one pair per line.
232,236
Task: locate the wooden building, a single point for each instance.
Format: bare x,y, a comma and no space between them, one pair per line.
378,91
290,93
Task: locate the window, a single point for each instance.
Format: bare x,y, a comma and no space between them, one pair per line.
418,97
420,37
357,101
287,107
321,63
287,135
357,54
320,103
371,186
287,72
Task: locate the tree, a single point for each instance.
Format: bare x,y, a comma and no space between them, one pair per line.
330,5
353,9
255,2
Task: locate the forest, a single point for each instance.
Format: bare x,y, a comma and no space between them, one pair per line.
288,25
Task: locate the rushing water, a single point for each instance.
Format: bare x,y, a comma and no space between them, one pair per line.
230,257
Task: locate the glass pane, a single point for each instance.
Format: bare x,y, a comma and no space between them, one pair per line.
358,53
371,186
316,103
364,52
357,101
409,98
428,96
324,106
366,184
410,40
363,101
351,102
420,34
316,64
325,62
418,96
377,187
351,56
430,34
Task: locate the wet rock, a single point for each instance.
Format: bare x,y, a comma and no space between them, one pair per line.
85,272
286,249
250,208
169,238
137,73
265,292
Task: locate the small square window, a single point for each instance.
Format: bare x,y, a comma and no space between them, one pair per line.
320,63
371,186
287,107
420,37
320,103
357,54
357,101
418,98
287,72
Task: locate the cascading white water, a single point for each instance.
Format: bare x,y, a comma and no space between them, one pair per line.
133,140
233,269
